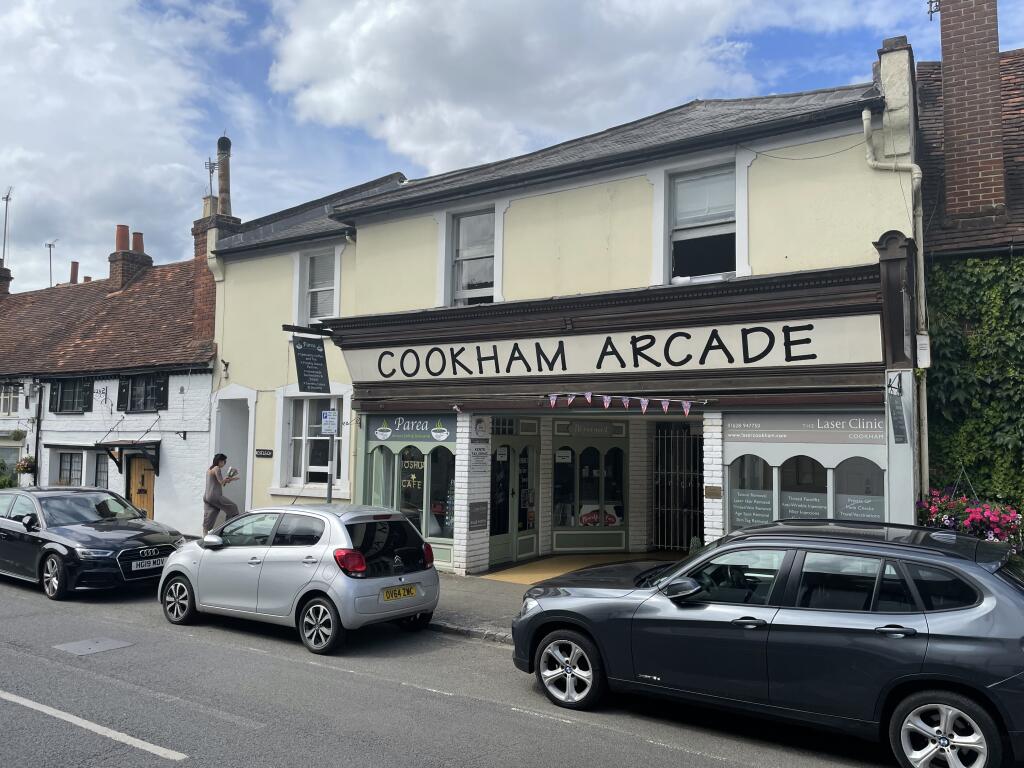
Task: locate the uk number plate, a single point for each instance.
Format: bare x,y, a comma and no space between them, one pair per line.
145,565
398,593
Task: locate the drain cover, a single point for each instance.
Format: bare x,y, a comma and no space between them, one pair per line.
95,645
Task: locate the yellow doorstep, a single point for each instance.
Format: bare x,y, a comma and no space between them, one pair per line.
549,567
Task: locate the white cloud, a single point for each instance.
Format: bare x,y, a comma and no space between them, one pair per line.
450,83
101,106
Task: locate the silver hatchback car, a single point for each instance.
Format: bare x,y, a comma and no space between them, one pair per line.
322,569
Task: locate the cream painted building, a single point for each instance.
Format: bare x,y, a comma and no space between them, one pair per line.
696,321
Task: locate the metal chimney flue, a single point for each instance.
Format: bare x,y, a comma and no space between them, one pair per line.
224,176
74,272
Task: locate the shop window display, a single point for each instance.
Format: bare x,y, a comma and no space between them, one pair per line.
751,497
860,490
804,486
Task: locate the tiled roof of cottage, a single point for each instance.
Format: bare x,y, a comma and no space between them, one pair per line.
942,235
685,128
85,328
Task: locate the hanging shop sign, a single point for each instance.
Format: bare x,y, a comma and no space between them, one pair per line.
828,428
405,428
311,365
821,341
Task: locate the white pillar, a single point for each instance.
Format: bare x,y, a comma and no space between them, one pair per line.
714,520
472,487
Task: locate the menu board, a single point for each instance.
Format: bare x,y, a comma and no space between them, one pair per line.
860,507
311,365
799,504
748,507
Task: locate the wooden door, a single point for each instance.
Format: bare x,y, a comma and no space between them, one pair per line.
141,484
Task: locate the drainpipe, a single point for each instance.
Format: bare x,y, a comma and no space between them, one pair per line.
919,289
38,387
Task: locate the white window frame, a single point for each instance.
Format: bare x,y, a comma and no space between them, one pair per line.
10,394
457,296
285,484
301,290
445,220
710,227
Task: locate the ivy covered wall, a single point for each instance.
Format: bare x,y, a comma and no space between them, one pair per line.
976,383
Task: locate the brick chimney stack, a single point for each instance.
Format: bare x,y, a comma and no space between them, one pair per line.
125,264
972,121
5,281
74,272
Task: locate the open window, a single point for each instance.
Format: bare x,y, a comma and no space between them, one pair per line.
703,220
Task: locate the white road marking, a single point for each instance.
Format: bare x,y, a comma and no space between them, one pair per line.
123,738
543,716
677,748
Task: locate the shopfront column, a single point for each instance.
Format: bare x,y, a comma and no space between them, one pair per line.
641,473
472,494
714,520
544,486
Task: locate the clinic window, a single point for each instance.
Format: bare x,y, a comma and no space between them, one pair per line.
703,220
419,485
860,490
751,496
804,489
473,258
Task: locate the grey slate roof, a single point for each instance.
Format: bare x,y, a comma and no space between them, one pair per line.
695,124
308,221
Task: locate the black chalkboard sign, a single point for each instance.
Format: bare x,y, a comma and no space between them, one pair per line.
311,365
899,419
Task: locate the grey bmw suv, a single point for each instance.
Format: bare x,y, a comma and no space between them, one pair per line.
322,569
913,635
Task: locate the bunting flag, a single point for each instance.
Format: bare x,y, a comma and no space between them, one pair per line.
553,399
664,406
569,399
644,402
589,396
625,402
686,407
607,399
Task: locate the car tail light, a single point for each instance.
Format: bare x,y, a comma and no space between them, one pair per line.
428,555
351,561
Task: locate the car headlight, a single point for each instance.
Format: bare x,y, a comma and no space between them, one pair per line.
94,554
529,605
179,542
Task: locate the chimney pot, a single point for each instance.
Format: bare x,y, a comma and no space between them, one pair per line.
86,279
74,272
138,246
121,238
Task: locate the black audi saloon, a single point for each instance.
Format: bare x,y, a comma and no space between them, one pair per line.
79,538
912,635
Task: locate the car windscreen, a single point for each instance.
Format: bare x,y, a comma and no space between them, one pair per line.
391,547
656,577
86,508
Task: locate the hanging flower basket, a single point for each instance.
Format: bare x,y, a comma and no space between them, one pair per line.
986,520
26,465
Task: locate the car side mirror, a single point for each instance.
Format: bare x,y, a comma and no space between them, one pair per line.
681,588
30,521
210,541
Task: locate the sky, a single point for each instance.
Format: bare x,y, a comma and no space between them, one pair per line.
108,110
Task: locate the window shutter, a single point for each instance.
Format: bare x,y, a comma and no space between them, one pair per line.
122,394
86,395
161,393
54,393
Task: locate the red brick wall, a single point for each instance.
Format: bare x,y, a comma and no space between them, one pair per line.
975,179
204,304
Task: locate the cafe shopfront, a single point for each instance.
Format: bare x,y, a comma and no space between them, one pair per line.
635,420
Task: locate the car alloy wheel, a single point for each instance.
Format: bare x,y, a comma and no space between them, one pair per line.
566,671
943,735
54,578
176,600
320,626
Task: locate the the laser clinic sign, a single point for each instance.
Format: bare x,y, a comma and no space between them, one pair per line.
822,341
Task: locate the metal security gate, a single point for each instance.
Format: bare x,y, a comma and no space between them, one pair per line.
678,486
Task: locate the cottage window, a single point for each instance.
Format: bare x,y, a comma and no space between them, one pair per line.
703,217
145,393
100,478
71,396
473,259
70,470
309,446
9,399
319,285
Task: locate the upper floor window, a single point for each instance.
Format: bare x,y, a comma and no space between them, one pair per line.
473,259
318,296
9,396
703,217
146,392
71,396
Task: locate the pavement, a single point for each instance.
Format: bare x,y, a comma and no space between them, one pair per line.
227,693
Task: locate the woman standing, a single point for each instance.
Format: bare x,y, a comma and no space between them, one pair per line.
214,500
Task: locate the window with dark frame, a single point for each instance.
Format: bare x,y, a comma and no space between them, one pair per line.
100,477
473,258
703,221
70,470
71,396
142,393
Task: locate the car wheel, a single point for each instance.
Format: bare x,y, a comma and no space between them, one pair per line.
179,601
568,666
320,626
54,577
944,728
416,623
